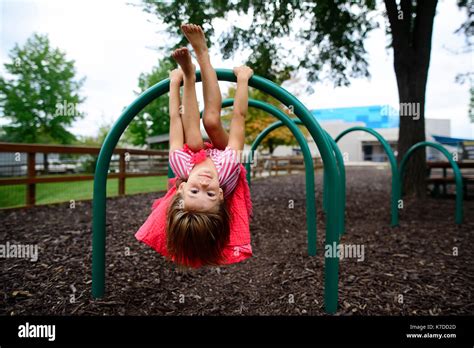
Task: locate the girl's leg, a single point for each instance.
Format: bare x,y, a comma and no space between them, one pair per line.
190,109
237,126
176,126
212,94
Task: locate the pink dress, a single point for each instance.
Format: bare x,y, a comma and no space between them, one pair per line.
232,179
226,162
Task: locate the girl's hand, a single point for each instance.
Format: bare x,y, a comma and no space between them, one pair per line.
176,76
243,72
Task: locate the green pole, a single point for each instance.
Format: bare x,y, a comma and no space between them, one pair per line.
331,270
395,197
311,222
342,183
454,165
325,191
340,163
100,182
267,86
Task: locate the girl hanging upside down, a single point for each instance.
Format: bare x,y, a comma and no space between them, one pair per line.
203,219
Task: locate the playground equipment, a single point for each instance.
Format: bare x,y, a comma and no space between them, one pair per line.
309,167
454,165
332,178
393,165
341,188
311,222
309,175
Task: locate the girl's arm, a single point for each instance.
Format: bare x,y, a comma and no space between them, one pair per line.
176,125
237,126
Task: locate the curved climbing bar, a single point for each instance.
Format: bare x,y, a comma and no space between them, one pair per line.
454,165
267,86
393,165
342,183
309,167
340,163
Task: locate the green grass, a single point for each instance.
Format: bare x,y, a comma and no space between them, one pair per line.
46,193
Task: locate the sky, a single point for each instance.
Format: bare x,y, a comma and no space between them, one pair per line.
113,42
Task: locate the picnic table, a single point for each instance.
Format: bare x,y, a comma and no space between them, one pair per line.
444,180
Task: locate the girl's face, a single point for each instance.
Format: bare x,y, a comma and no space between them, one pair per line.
201,192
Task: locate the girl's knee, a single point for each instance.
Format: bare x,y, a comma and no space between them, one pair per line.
212,121
195,145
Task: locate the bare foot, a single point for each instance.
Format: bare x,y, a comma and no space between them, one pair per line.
243,72
183,58
196,38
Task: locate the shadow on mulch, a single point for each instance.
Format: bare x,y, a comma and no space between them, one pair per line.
408,270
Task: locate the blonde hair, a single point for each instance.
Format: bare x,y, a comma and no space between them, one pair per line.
193,236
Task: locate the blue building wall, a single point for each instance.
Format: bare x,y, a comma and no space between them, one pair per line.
374,116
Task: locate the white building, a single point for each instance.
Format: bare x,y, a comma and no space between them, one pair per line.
362,146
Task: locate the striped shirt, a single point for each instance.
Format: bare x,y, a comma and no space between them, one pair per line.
226,162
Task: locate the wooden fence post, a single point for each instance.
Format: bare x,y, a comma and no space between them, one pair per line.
31,173
121,179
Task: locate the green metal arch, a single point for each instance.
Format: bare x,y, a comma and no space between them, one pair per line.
310,197
454,165
341,188
395,197
258,82
337,153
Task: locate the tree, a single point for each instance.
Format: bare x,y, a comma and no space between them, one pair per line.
41,98
468,26
411,27
335,28
468,29
154,118
330,35
332,38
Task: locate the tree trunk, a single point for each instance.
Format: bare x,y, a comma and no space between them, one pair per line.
411,25
270,146
412,129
